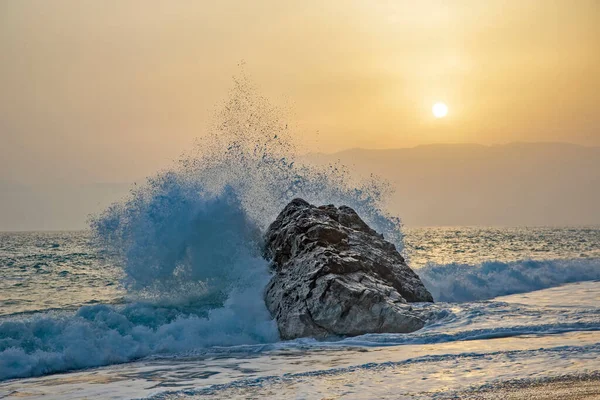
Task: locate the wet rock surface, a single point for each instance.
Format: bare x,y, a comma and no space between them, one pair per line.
335,276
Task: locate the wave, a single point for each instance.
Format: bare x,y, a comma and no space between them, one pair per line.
194,274
101,335
193,222
224,390
189,244
195,277
462,282
459,322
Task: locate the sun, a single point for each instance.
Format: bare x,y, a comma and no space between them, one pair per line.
440,110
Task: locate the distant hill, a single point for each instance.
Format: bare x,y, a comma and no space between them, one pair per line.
444,184
469,184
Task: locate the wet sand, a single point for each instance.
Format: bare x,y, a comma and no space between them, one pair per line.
567,388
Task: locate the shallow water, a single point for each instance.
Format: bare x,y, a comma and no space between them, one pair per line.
63,310
62,270
521,340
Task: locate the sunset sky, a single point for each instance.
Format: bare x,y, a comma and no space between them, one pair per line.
105,91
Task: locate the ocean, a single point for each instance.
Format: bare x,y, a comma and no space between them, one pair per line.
162,297
511,304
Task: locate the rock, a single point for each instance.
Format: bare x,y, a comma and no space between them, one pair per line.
334,275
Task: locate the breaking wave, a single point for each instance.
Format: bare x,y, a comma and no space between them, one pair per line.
191,223
188,241
189,244
460,282
101,334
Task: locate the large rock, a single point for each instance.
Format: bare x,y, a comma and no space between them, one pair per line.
336,276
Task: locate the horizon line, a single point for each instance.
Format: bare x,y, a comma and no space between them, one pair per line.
571,144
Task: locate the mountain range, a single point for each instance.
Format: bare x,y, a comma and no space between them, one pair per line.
516,184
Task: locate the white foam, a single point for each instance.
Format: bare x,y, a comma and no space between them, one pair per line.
461,282
189,243
100,335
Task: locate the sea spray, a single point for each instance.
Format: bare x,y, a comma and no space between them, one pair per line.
172,236
171,229
195,277
188,241
171,232
252,149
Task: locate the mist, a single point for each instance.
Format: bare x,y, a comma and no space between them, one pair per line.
518,184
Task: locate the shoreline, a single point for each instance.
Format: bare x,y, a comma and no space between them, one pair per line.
568,387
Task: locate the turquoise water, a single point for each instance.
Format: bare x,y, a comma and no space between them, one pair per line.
170,303
63,270
64,308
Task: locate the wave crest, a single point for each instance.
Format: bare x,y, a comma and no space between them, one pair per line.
188,241
462,282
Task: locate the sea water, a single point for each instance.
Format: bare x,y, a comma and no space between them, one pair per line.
65,310
163,296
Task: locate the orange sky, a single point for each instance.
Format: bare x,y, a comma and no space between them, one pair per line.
111,90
